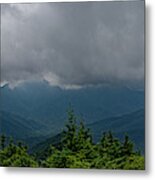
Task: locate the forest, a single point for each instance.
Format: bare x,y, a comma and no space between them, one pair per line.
75,150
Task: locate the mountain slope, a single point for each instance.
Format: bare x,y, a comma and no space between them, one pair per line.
132,124
18,127
48,104
42,147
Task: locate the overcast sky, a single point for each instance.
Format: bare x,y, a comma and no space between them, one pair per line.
73,44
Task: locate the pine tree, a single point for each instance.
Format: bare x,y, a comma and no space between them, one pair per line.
2,141
127,147
16,156
69,139
84,137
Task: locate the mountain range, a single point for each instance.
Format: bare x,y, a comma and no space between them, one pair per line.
36,111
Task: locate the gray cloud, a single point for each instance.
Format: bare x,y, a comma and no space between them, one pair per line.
73,44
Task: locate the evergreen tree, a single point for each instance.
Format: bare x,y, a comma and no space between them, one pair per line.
69,139
2,141
83,136
16,156
77,150
127,148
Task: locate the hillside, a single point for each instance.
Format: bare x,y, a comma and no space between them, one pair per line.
41,149
20,128
132,124
48,104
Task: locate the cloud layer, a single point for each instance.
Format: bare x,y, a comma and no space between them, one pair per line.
73,44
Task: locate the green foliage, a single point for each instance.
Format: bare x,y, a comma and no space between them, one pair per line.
75,137
16,156
127,148
135,162
76,150
69,139
64,159
2,141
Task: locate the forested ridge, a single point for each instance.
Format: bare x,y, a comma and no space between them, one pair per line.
75,150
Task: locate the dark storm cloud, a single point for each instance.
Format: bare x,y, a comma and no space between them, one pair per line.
73,44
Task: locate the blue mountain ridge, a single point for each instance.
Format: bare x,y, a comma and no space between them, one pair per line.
38,109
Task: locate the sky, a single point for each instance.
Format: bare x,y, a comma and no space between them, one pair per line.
73,45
